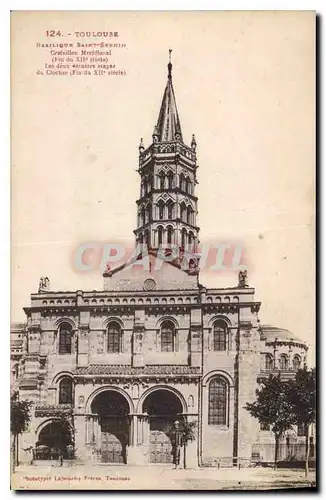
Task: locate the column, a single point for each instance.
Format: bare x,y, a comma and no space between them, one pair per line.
275,355
290,357
155,238
146,437
135,455
134,430
88,434
139,430
97,430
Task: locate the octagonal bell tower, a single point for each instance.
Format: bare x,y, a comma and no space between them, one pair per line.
167,206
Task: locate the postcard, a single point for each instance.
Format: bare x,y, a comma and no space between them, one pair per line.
163,250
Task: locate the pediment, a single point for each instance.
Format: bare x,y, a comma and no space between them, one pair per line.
149,274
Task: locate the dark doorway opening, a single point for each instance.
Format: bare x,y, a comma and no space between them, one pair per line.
163,408
113,414
54,442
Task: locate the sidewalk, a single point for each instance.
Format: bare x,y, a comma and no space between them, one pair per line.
158,478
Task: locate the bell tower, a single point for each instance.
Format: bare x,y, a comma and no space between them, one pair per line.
167,206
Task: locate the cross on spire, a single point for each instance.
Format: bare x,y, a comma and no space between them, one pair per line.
168,126
170,66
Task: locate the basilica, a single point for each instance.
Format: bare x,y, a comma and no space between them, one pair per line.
127,364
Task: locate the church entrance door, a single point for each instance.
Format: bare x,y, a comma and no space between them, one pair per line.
113,410
114,436
163,408
161,441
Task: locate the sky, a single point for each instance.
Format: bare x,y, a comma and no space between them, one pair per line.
244,84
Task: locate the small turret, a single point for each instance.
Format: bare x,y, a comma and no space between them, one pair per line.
141,146
178,136
155,134
193,143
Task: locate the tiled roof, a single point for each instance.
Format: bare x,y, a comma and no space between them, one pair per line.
132,370
270,333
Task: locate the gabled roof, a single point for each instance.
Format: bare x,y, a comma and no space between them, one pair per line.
167,275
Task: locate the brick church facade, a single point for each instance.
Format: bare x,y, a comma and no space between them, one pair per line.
154,346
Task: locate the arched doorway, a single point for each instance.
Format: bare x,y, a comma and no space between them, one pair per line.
112,409
54,440
163,408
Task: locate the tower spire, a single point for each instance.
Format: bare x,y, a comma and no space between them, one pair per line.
167,205
168,128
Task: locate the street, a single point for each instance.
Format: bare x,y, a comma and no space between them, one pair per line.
104,477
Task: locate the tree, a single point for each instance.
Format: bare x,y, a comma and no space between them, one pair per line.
273,408
187,434
183,432
302,397
20,417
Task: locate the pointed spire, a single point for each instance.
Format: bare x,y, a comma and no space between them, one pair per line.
141,146
168,126
193,143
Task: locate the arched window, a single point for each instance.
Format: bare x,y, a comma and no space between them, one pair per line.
65,339
167,336
143,217
190,238
189,215
183,212
191,401
183,237
65,391
268,362
170,210
161,210
170,232
170,180
147,213
162,181
188,186
114,337
160,235
296,363
182,182
217,402
219,336
283,362
147,238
